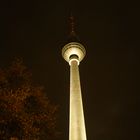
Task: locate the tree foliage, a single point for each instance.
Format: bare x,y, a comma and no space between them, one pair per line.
25,111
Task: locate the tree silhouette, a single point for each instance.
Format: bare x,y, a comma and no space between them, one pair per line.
25,111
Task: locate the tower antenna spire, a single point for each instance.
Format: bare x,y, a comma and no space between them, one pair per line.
72,23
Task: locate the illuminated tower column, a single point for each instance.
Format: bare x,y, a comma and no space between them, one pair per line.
73,53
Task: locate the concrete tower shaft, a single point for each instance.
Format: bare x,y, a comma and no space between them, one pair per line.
77,124
73,53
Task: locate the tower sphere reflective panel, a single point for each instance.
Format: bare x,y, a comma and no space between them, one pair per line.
73,49
73,53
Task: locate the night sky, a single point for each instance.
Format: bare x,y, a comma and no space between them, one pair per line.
36,30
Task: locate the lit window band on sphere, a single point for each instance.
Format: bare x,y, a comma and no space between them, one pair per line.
73,51
73,57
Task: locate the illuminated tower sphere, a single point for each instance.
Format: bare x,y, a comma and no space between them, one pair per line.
73,52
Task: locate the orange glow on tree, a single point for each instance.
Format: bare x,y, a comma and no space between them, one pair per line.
25,111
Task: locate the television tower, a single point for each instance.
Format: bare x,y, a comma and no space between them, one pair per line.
73,52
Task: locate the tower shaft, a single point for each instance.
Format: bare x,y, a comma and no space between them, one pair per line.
76,123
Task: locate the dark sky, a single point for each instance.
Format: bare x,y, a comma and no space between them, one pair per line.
36,31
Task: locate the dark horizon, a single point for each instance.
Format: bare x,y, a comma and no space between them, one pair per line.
37,30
